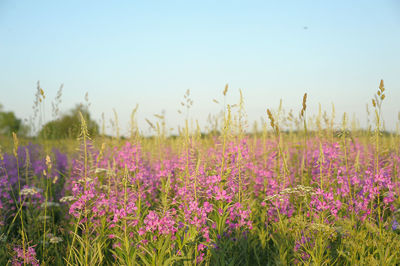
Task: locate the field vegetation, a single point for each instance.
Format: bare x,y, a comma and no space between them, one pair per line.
296,189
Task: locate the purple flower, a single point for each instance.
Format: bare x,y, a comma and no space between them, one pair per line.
395,225
23,259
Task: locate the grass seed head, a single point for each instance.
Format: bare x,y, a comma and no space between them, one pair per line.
271,118
226,89
304,105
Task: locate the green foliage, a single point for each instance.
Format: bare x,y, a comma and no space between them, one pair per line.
364,245
301,234
69,125
9,123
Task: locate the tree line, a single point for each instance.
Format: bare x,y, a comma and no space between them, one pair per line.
68,125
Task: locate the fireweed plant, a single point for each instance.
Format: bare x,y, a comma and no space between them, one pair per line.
298,192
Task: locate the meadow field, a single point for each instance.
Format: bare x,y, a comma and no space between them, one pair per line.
298,188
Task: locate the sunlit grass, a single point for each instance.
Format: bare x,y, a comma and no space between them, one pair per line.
299,189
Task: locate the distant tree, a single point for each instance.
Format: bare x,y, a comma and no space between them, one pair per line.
69,125
9,123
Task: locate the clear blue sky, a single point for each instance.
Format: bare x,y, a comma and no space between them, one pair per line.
151,52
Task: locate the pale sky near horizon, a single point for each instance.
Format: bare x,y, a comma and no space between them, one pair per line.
150,52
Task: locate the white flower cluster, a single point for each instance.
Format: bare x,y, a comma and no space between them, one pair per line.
67,199
107,171
82,180
30,191
300,190
100,170
54,239
105,187
50,204
269,198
